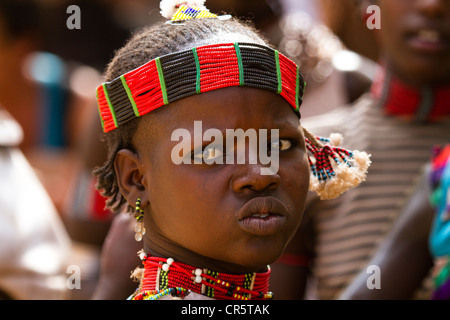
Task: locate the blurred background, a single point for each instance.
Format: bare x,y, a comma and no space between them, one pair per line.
48,76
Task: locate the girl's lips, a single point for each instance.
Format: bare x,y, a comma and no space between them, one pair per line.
428,40
263,226
263,216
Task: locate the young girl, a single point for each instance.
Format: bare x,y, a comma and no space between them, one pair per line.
213,222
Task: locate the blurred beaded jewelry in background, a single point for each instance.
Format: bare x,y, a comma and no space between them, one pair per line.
310,44
328,65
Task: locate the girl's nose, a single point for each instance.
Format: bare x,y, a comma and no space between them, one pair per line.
248,178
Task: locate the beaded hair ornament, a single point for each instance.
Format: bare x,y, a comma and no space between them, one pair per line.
179,12
178,75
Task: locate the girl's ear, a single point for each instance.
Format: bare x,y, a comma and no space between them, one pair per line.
130,176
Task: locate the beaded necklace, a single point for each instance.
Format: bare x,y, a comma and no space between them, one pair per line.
420,104
167,277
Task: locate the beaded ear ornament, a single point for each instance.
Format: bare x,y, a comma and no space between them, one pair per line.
334,169
178,75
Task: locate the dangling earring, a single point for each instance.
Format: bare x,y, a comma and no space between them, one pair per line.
139,216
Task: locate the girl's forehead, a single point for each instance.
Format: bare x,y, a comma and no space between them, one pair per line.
227,108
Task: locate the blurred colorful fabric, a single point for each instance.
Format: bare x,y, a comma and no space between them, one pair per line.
440,233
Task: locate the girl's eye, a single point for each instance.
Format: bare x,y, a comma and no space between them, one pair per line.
281,144
208,154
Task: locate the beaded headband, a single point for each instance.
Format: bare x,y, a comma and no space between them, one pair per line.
182,74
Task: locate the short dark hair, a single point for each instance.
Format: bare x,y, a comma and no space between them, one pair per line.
147,44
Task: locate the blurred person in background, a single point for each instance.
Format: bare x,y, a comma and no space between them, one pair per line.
50,97
44,93
405,114
417,247
335,76
347,19
439,241
34,245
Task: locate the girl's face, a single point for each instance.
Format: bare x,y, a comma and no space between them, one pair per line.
227,216
415,35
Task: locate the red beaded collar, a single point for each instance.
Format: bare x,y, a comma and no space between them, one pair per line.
167,277
420,104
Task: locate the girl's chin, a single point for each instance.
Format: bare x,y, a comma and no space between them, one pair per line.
258,261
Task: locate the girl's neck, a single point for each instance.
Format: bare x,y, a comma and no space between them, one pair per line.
158,247
418,103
